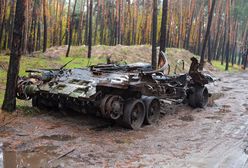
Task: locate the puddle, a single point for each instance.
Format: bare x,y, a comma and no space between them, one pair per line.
22,159
214,96
41,157
226,88
245,105
187,118
12,159
225,109
213,117
103,127
58,137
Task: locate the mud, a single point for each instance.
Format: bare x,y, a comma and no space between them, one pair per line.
183,138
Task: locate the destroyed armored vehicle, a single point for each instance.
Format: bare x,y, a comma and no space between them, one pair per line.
129,94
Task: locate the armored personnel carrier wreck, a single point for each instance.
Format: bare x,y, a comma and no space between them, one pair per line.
129,94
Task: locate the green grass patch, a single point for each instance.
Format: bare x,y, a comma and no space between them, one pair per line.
78,62
28,110
234,68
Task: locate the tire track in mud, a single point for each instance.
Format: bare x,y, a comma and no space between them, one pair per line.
228,150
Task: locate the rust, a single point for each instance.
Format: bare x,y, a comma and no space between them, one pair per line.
108,90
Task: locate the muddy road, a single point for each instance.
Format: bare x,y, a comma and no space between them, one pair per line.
212,137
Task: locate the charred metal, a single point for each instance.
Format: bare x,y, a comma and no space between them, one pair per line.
129,94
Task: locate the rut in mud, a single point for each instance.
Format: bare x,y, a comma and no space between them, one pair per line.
212,137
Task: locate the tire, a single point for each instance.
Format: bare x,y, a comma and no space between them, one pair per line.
152,105
39,103
198,97
134,114
35,101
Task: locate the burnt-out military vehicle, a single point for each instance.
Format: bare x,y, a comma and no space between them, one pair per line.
129,94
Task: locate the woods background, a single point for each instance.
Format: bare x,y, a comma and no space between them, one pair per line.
129,22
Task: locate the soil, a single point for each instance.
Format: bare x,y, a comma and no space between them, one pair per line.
212,137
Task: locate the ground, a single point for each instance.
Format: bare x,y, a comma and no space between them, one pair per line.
212,137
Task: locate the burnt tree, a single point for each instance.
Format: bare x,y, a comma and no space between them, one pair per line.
9,103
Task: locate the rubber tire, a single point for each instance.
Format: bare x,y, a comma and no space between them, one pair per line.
198,98
127,116
148,102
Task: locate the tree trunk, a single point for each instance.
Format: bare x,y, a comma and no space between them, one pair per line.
11,23
163,29
45,27
154,35
61,23
90,30
26,28
207,35
3,22
86,24
228,34
68,24
9,103
80,24
97,19
164,26
245,57
71,29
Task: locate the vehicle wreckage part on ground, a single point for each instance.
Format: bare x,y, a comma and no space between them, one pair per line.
129,93
198,96
134,114
152,105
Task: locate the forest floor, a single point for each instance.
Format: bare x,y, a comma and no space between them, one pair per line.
212,137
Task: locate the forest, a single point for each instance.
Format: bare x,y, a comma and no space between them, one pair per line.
130,22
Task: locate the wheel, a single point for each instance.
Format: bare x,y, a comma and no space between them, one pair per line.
112,107
39,102
198,98
35,101
134,114
152,105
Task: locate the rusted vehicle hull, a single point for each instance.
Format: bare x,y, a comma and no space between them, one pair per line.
129,94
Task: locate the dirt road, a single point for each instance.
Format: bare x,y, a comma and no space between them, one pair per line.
200,138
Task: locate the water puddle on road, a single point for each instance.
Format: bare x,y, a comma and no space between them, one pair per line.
23,159
58,137
27,159
12,159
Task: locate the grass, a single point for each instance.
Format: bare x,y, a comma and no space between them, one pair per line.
234,68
